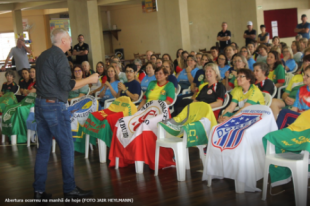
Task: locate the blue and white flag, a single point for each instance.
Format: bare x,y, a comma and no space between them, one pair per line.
235,149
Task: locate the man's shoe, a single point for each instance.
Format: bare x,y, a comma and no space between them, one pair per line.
42,195
77,192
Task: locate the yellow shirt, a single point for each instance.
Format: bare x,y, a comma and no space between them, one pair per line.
253,96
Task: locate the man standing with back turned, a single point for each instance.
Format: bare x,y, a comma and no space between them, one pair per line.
53,119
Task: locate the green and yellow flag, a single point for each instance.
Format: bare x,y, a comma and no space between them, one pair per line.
7,99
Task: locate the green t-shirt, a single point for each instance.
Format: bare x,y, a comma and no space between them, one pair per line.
277,75
76,93
156,92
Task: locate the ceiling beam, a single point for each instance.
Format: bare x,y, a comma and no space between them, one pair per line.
108,2
29,5
6,7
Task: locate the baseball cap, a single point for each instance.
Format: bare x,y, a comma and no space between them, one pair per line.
250,23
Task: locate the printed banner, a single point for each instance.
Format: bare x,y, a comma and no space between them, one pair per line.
235,149
15,116
134,137
294,138
7,99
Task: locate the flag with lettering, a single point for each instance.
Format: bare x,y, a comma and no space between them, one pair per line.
14,118
196,119
294,138
134,137
8,98
235,148
101,124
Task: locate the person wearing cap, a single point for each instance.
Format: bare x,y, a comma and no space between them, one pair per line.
263,38
304,27
224,37
249,34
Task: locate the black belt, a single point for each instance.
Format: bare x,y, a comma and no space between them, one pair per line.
49,99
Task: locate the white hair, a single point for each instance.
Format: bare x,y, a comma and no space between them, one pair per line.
57,34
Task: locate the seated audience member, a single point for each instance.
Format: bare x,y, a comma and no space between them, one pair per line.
140,73
239,62
300,69
160,89
210,91
178,61
302,99
183,62
303,42
268,47
9,85
150,76
200,74
32,86
153,59
296,52
276,70
222,63
251,47
193,53
246,53
186,76
24,81
132,87
262,54
86,69
276,41
236,48
171,78
78,75
214,52
298,37
199,57
166,57
102,77
118,68
288,97
288,59
229,52
244,95
277,49
263,38
109,89
261,72
159,63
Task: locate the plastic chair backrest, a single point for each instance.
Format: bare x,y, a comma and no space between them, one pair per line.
294,70
225,103
18,87
274,92
267,98
186,91
140,97
88,91
179,89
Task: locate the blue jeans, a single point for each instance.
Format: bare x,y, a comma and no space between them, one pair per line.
53,120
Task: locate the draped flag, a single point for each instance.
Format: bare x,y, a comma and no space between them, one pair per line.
80,111
101,124
294,138
8,98
15,116
286,117
235,148
134,137
190,120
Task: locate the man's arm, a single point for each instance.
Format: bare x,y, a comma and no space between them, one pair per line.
28,50
92,79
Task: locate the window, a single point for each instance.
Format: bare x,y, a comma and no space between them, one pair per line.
7,41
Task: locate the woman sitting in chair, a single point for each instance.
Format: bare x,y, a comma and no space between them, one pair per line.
150,76
132,87
244,95
110,88
161,89
210,91
171,78
261,72
25,81
10,85
78,75
186,76
32,86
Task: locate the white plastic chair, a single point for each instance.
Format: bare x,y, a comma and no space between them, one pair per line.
179,146
274,92
297,163
187,91
268,99
294,70
102,147
225,103
171,107
72,101
138,164
140,97
179,89
17,90
288,77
